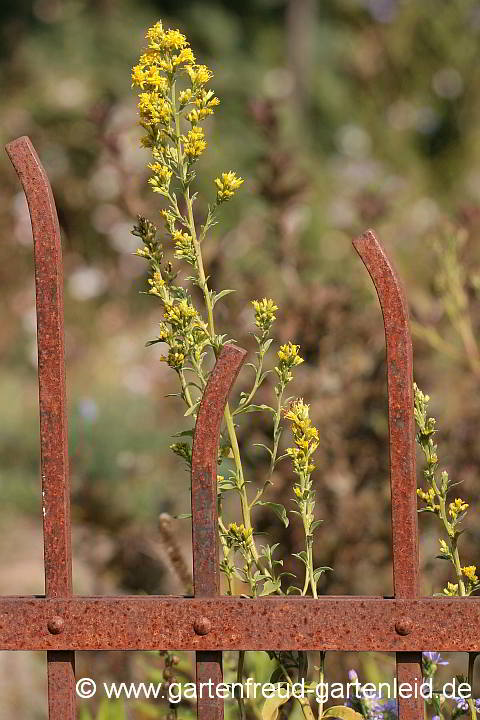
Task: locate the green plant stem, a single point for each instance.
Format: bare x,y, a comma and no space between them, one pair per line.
225,550
321,677
451,541
240,700
471,702
276,439
303,701
276,425
306,512
256,384
185,390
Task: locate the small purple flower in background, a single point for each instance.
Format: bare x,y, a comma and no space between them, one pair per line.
434,657
372,708
431,661
436,717
462,704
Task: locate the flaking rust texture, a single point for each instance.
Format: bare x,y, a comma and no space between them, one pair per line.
206,574
52,406
209,623
274,622
401,442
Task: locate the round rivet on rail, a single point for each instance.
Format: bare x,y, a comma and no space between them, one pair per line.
55,625
202,626
404,626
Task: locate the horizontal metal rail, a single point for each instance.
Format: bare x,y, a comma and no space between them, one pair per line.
328,623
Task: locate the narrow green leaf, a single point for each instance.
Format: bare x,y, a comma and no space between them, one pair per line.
264,447
277,508
253,408
217,296
270,587
191,410
184,433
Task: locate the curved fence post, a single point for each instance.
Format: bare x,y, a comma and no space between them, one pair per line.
53,417
401,442
206,574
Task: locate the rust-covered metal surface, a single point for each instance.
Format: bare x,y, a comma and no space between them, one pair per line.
52,403
401,444
277,623
208,623
206,573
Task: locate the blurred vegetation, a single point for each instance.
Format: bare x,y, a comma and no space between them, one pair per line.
340,115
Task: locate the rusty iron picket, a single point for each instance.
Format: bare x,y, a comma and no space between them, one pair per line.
208,623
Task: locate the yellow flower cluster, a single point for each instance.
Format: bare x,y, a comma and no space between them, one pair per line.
199,74
156,282
154,108
470,572
155,74
239,535
305,437
184,247
194,142
205,102
429,498
165,40
182,316
264,313
289,358
444,547
451,590
160,181
146,74
227,185
288,354
457,507
175,357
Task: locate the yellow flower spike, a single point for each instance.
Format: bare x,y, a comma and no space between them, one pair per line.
451,590
194,143
305,436
165,40
227,185
199,74
457,507
470,572
161,179
154,108
184,97
288,354
180,236
264,313
186,57
444,547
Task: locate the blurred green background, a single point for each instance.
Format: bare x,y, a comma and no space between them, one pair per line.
340,115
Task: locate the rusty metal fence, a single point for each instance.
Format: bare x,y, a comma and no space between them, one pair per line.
208,623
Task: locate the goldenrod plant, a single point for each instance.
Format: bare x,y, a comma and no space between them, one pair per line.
451,513
175,101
